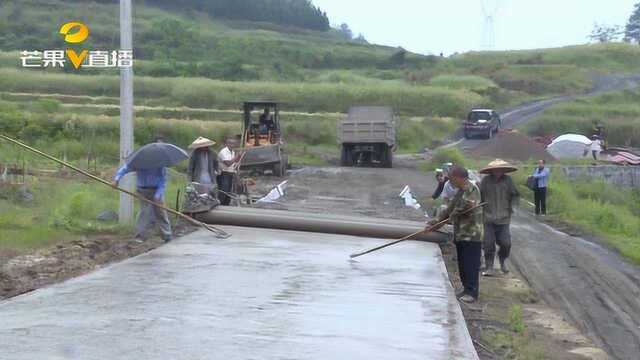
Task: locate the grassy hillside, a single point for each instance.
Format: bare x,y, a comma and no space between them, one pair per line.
619,112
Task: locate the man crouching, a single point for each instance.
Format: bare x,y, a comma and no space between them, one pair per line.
467,231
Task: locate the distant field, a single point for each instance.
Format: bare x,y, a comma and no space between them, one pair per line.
207,93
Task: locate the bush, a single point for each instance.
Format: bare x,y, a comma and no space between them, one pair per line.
470,82
446,155
415,134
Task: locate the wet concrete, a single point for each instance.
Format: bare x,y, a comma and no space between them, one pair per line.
262,294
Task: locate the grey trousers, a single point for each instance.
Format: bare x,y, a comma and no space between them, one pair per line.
500,234
150,214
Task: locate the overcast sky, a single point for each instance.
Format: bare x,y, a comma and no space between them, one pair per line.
434,26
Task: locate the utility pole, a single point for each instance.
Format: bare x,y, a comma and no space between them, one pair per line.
126,110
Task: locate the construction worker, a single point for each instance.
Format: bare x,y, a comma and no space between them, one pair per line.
500,195
151,184
596,146
541,177
201,192
467,231
228,161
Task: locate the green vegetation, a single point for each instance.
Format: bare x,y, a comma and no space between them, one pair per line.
446,155
608,211
61,215
515,318
300,13
206,93
185,42
469,82
618,112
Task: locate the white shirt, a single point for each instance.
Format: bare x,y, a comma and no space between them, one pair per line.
596,145
226,154
449,191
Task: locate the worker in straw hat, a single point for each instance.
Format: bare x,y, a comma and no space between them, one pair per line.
201,193
203,163
500,195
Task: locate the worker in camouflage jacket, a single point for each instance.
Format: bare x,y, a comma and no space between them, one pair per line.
468,231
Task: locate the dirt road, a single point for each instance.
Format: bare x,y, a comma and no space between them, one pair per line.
592,286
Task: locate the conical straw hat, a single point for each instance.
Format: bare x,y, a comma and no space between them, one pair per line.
499,164
201,142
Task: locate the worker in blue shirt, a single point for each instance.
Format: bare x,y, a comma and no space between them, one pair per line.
151,184
541,176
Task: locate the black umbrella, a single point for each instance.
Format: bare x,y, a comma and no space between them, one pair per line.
156,155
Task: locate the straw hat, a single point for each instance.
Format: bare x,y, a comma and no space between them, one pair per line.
499,164
201,142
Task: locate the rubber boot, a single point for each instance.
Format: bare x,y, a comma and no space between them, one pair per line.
503,266
488,269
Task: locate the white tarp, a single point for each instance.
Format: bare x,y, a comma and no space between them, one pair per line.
569,146
275,194
409,200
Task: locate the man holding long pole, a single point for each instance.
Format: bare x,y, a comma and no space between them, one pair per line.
465,211
151,184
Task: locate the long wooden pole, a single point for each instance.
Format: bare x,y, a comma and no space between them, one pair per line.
426,230
219,233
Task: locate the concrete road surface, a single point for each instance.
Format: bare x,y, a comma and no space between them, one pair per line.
262,294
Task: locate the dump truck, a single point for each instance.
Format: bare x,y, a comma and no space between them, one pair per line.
367,136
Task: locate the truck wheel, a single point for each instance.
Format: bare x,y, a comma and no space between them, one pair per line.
388,157
466,135
284,165
346,159
277,170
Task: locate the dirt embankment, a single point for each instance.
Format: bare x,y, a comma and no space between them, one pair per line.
23,273
511,145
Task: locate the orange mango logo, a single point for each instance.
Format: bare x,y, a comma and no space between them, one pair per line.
75,37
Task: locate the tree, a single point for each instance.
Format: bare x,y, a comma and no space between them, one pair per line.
632,30
361,39
345,31
605,33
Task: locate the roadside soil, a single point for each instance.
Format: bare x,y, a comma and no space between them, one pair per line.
22,273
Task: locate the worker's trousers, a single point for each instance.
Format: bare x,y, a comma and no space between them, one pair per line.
540,199
469,253
150,215
225,184
500,234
